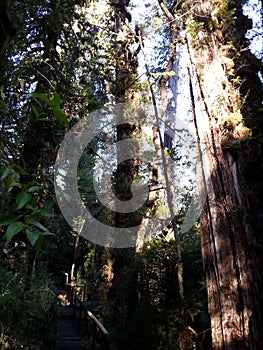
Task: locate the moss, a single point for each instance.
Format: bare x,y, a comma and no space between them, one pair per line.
195,27
233,119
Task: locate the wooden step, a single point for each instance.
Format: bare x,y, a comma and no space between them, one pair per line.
69,334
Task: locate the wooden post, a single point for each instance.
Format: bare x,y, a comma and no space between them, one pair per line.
66,279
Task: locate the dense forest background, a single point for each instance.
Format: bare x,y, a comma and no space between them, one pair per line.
62,60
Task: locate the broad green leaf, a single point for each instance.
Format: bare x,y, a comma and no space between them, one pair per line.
19,169
61,116
22,199
33,236
35,199
13,229
57,99
31,218
30,184
47,233
34,188
30,207
39,243
37,224
46,213
14,184
4,172
16,176
41,97
7,219
11,182
54,103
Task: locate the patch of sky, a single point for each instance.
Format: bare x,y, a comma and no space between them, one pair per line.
253,9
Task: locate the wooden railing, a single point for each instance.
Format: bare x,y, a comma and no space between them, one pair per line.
77,296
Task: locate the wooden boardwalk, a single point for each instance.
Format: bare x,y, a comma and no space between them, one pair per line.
69,334
78,328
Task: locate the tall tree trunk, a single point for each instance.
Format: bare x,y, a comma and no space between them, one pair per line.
126,67
226,233
185,341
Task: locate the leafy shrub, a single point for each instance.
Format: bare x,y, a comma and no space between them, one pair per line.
27,318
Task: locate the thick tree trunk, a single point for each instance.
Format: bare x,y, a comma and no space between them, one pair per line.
126,67
228,261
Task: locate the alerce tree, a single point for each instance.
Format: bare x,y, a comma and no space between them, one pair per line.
212,36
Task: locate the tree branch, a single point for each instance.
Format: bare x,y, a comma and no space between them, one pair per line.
165,78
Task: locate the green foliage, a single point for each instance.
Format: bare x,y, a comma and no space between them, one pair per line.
195,27
139,302
27,319
55,104
25,209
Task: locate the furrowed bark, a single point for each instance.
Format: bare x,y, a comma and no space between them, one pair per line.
225,228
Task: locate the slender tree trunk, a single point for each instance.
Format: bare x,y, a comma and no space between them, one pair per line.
184,340
31,264
153,195
73,265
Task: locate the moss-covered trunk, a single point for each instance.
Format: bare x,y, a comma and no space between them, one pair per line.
226,233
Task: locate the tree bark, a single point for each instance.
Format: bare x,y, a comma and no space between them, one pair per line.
126,67
226,234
